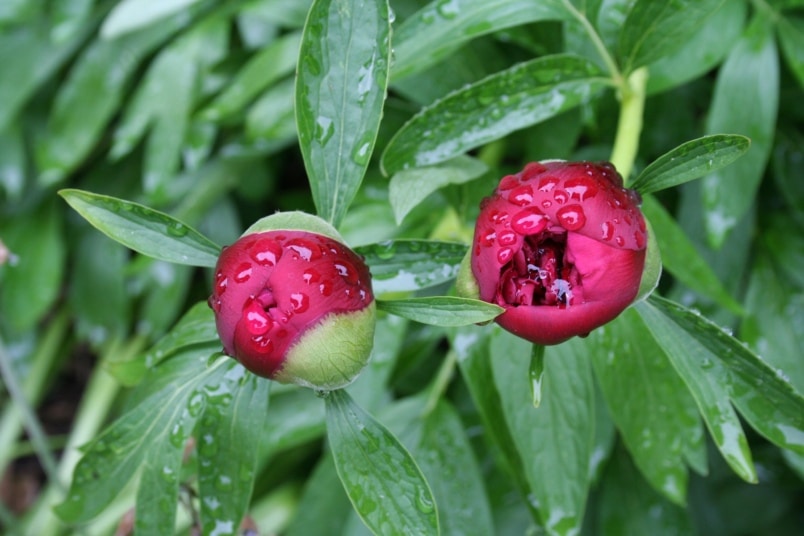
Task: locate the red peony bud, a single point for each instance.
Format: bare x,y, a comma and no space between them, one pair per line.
295,306
561,246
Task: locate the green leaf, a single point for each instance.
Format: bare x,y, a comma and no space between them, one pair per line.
763,394
442,310
690,161
791,39
410,187
340,90
427,36
130,15
753,67
492,108
708,382
555,440
31,284
269,65
12,154
228,440
143,229
653,29
380,477
324,506
270,121
162,421
681,259
197,326
407,265
630,365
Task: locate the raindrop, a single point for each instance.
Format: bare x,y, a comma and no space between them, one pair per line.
305,249
607,229
361,154
243,272
221,281
300,302
529,221
424,503
177,229
449,9
325,288
547,184
487,238
509,182
257,321
619,240
507,238
547,204
347,271
581,188
324,129
639,237
560,196
571,217
263,344
521,196
311,275
266,252
505,255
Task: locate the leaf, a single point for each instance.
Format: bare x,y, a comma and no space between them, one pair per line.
323,507
763,394
681,259
690,161
631,366
492,108
380,477
130,15
653,29
228,440
708,382
555,440
410,187
753,67
163,420
427,36
407,265
197,326
143,229
442,310
340,90
791,39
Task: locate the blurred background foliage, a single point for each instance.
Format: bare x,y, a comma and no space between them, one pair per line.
187,106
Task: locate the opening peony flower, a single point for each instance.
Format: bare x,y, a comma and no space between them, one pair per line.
561,246
295,306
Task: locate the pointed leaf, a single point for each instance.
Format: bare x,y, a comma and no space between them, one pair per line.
340,91
406,265
130,15
690,161
492,108
442,310
380,477
143,229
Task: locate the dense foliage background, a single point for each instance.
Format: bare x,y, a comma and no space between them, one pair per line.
663,422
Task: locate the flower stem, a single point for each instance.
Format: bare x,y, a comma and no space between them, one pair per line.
629,126
441,381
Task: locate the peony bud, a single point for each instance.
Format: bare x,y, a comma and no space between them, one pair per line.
293,305
561,246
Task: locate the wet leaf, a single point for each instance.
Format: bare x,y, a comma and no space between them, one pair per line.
340,91
438,28
442,310
555,440
752,66
380,477
492,108
130,15
791,39
690,161
143,229
406,265
653,29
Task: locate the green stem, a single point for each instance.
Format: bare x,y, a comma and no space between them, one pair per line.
441,381
629,126
608,60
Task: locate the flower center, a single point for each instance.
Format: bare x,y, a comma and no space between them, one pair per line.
540,274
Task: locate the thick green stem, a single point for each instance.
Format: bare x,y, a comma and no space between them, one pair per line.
629,126
441,381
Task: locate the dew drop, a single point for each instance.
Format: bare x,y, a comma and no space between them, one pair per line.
221,282
498,217
571,217
619,240
639,237
507,238
266,252
581,188
505,255
509,182
177,229
348,272
521,196
607,230
325,288
487,238
532,170
243,272
262,344
305,249
547,184
257,322
300,302
324,129
529,221
560,196
547,204
311,275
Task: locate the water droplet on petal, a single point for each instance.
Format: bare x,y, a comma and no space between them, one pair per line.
532,170
347,271
304,249
639,237
300,302
221,282
581,188
325,288
547,184
571,217
607,229
507,238
509,182
547,204
529,221
619,240
243,272
560,196
521,196
487,238
311,275
256,320
266,252
505,255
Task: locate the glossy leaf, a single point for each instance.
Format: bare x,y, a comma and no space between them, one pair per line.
791,39
555,440
681,259
652,29
410,187
763,394
323,507
406,265
270,121
163,420
442,310
380,477
228,440
492,108
630,366
752,66
438,28
690,161
340,91
708,382
130,15
142,229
